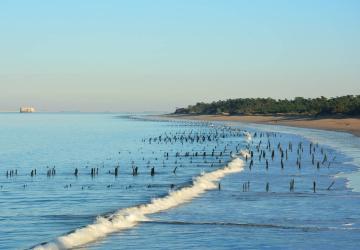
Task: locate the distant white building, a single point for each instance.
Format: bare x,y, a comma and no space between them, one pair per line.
27,110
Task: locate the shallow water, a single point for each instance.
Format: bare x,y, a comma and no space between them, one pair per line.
48,207
344,143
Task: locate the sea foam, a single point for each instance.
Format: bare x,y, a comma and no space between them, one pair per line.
129,217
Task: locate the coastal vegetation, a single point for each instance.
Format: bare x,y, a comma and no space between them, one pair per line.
348,105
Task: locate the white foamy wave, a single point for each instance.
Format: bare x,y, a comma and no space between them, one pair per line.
245,153
248,136
129,217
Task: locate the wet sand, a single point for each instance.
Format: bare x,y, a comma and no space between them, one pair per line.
350,125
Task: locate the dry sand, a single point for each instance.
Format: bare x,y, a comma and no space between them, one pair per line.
350,125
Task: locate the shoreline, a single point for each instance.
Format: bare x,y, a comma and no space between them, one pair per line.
348,125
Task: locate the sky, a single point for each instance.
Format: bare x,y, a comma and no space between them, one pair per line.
156,55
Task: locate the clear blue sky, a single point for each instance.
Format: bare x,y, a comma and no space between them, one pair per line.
140,55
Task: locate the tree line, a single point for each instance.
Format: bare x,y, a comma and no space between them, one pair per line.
343,105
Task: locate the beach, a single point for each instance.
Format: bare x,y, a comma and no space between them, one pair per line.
178,125
349,125
135,181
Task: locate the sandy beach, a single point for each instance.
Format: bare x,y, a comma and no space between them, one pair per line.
350,125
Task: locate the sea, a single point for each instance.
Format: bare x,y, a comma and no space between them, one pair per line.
135,181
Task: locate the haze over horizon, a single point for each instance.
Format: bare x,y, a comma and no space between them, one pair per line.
157,55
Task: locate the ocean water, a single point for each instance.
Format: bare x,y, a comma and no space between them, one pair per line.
182,205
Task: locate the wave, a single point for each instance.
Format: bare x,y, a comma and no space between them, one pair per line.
248,136
130,217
